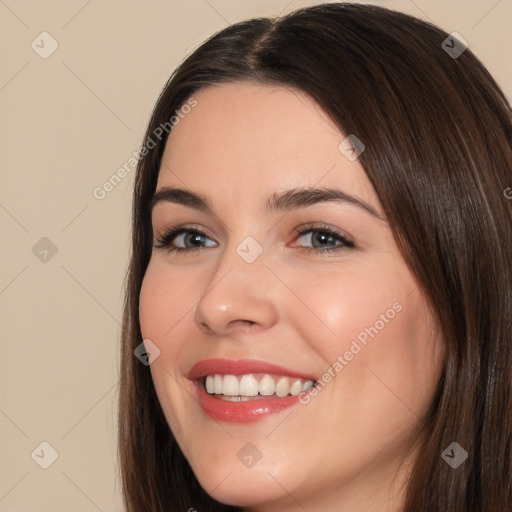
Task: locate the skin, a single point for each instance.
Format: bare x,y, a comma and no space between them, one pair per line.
347,449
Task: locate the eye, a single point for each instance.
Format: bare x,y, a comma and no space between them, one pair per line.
324,239
182,235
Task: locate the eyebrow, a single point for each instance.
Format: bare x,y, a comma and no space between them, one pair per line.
284,201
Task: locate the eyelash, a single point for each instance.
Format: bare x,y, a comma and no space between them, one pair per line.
165,241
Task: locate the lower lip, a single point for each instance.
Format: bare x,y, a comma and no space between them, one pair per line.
242,412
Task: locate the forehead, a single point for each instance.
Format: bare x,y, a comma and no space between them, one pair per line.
258,138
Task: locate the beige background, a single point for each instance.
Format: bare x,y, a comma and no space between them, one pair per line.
68,122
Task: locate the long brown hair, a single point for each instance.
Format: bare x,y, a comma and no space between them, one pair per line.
438,136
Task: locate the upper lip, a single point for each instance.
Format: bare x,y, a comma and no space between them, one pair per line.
242,367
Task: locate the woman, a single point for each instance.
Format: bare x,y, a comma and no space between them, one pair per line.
370,373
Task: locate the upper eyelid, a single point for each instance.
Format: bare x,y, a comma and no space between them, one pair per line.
202,214
308,226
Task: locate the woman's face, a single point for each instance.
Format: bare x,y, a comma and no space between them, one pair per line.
311,283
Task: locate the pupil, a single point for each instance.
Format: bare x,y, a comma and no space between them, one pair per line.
324,237
196,237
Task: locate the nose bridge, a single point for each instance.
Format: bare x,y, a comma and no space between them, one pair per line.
238,291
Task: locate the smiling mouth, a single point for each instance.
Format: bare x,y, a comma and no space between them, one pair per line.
243,388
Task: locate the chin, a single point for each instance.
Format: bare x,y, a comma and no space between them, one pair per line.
243,487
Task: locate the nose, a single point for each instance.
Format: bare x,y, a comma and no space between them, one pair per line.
238,298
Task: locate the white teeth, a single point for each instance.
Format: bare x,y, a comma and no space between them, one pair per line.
296,387
248,386
267,386
241,388
283,387
218,384
210,384
230,385
231,398
235,398
308,384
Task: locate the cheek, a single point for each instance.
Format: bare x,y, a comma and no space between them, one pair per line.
376,337
166,307
163,308
337,308
164,301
